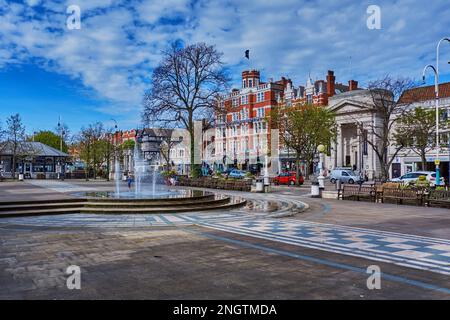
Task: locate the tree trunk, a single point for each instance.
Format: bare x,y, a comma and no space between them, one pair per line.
424,161
193,172
297,169
107,169
13,169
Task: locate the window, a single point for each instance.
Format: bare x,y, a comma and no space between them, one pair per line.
235,102
260,97
250,83
309,99
244,99
244,114
260,112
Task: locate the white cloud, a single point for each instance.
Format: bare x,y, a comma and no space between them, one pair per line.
120,42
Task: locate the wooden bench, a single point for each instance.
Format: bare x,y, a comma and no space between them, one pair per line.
438,198
352,192
220,184
401,195
229,184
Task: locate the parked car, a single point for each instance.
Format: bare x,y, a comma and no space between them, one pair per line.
235,173
412,177
288,178
345,176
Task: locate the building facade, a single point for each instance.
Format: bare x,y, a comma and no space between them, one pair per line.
242,134
357,116
33,159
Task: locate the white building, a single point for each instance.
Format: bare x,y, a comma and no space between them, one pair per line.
356,116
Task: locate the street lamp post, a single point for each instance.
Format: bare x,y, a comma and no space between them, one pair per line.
321,178
436,91
61,137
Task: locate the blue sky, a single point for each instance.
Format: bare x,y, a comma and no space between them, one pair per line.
100,72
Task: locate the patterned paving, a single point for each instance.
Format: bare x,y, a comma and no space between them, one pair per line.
126,220
401,249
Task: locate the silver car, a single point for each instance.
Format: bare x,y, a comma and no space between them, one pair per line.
412,177
344,175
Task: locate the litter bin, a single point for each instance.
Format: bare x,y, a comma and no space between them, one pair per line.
20,176
315,190
260,185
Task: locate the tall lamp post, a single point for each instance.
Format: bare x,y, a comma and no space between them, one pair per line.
436,91
61,137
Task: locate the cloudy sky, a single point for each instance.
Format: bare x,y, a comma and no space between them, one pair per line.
99,72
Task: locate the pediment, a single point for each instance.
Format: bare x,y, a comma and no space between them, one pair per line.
351,106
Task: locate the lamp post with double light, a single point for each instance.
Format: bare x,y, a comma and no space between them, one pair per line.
436,92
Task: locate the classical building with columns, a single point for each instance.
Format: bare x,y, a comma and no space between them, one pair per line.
356,115
355,110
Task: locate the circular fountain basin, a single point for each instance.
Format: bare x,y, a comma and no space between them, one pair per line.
160,194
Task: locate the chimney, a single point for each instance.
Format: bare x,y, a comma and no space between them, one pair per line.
352,85
330,83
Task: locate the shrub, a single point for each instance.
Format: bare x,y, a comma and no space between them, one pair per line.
169,173
249,175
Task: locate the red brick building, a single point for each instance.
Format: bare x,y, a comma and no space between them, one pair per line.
242,132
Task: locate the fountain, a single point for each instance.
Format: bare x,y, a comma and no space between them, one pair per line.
155,172
139,169
117,176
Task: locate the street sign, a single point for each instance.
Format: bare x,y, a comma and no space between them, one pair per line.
437,162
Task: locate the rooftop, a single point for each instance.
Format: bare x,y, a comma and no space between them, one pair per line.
37,149
425,93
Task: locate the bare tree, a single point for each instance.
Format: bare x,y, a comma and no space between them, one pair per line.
167,145
15,133
385,95
185,87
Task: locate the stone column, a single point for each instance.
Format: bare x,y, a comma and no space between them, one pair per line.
339,147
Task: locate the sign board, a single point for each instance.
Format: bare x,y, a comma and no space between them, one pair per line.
437,162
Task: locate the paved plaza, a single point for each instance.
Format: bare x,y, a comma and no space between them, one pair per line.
282,245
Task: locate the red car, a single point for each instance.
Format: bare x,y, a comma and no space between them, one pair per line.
288,178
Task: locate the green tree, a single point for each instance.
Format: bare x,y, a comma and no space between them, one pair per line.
416,130
51,139
128,145
303,129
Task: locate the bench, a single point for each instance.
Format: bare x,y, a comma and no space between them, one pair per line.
438,198
352,192
401,195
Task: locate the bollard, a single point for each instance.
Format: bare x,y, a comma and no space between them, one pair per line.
338,185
